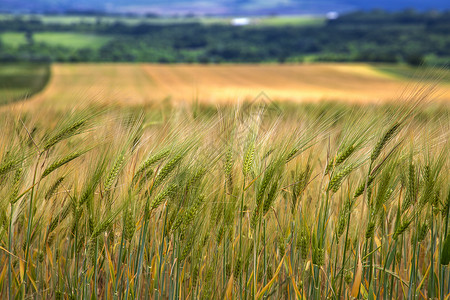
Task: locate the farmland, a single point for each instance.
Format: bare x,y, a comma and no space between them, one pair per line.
178,182
208,20
65,39
142,84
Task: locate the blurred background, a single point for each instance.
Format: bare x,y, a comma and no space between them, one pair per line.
394,37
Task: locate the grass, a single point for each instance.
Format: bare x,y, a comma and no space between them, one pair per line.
13,39
65,39
20,80
310,201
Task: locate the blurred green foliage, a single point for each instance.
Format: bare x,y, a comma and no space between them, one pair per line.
376,36
21,80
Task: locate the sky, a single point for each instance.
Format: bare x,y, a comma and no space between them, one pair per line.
220,6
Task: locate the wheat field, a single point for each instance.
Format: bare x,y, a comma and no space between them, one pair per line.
144,84
108,191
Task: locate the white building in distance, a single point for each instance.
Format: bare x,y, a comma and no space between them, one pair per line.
240,21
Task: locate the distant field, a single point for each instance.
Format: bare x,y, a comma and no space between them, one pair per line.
258,20
66,39
139,84
74,19
21,80
272,21
290,20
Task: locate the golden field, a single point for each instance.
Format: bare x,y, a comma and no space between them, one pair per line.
139,84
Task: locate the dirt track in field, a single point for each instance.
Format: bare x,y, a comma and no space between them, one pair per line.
143,84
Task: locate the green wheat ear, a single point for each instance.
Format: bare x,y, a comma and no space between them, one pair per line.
248,158
61,162
342,156
151,160
129,222
10,162
360,190
16,185
270,198
7,166
388,135
114,172
168,168
162,196
54,187
65,133
336,180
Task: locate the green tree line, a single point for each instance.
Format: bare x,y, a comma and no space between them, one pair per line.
375,36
